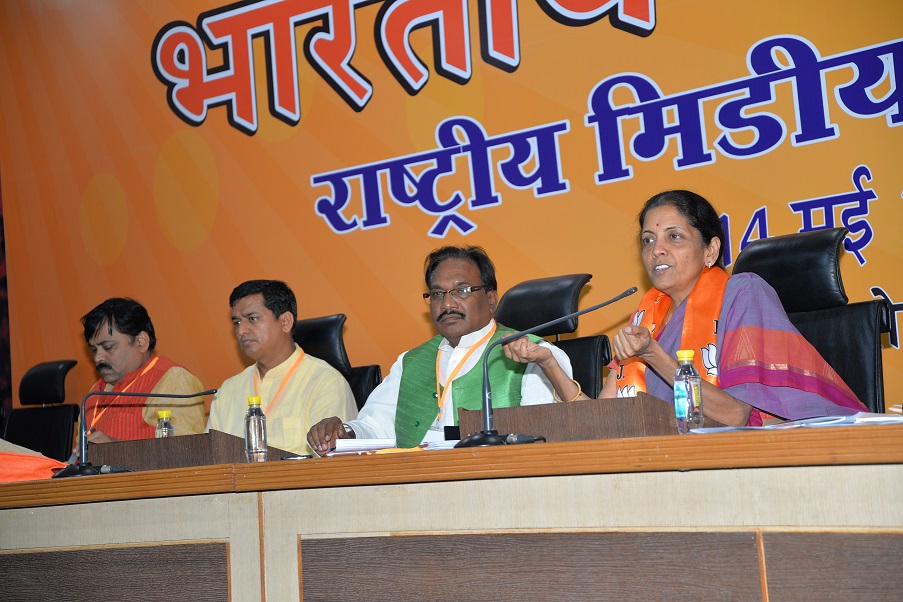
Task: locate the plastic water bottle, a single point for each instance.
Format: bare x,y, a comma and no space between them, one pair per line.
255,432
164,424
687,393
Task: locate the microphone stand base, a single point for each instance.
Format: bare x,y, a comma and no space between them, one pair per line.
481,439
76,470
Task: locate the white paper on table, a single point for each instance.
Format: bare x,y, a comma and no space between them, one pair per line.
817,422
362,445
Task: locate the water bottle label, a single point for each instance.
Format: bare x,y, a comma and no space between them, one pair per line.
696,396
681,401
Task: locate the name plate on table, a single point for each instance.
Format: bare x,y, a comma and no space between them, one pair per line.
183,451
640,416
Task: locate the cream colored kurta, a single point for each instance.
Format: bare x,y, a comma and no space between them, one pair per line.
315,390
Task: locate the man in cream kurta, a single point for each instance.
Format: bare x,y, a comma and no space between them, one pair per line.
312,390
295,389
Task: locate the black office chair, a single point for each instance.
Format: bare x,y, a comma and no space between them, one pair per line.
47,429
322,338
804,270
363,380
534,302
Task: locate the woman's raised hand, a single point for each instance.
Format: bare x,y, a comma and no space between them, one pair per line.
632,341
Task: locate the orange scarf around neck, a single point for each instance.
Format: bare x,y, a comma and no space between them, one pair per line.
699,328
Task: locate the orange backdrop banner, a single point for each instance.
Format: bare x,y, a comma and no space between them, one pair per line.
168,151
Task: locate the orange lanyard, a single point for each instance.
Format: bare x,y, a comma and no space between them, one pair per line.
443,391
97,416
273,402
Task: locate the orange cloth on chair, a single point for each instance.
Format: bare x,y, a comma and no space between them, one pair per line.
25,467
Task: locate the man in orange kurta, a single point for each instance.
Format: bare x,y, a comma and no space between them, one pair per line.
121,336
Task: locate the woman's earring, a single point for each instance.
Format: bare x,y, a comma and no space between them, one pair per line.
708,264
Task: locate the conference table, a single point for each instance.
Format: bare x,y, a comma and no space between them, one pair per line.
796,514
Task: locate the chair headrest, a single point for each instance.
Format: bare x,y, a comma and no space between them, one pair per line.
322,338
45,383
803,268
534,302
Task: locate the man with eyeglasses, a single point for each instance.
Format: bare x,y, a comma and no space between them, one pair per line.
428,384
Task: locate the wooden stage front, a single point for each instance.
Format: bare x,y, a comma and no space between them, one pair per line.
803,514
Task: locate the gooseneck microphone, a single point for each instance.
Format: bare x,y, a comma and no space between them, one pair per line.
489,436
84,468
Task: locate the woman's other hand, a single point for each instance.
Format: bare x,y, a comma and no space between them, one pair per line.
526,351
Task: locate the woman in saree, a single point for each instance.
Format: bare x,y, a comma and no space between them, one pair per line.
755,365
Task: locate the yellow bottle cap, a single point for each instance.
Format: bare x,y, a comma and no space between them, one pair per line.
685,355
254,400
164,414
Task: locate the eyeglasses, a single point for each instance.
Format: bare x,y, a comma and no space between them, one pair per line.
456,293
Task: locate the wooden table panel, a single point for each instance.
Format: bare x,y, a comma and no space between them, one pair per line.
834,566
197,572
536,566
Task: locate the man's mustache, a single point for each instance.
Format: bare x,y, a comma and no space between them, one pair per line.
102,365
450,312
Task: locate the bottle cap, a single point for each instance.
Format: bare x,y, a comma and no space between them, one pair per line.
164,414
685,355
254,400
